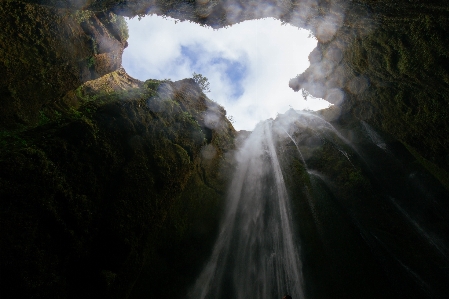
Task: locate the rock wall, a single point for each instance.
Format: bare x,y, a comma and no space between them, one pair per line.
46,52
102,176
372,223
127,186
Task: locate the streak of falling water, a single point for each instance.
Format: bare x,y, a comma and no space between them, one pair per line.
326,124
434,242
308,195
322,123
329,126
255,255
375,138
346,156
297,147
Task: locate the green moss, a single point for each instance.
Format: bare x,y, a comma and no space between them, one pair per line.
11,139
91,62
121,25
83,15
41,61
152,84
408,70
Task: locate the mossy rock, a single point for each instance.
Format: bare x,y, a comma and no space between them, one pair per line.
90,193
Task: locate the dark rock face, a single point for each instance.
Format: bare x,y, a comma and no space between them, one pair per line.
371,221
100,182
46,52
109,193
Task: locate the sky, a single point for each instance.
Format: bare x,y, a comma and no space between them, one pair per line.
248,65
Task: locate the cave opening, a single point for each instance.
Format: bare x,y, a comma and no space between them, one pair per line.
248,64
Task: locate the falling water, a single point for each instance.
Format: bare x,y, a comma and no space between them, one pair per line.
434,242
307,191
314,122
323,123
255,255
375,138
297,147
319,123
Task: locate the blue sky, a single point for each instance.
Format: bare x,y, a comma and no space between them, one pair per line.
248,65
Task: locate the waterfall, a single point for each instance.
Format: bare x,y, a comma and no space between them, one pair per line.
255,255
315,121
318,122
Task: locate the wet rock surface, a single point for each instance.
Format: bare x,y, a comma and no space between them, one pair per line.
46,51
372,221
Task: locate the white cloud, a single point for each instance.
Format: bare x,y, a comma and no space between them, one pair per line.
266,53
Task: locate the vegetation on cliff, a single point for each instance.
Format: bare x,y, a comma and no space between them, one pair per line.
406,61
46,52
95,196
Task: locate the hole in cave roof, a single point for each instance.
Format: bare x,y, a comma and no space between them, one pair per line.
248,65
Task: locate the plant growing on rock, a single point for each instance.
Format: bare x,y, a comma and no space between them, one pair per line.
202,81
